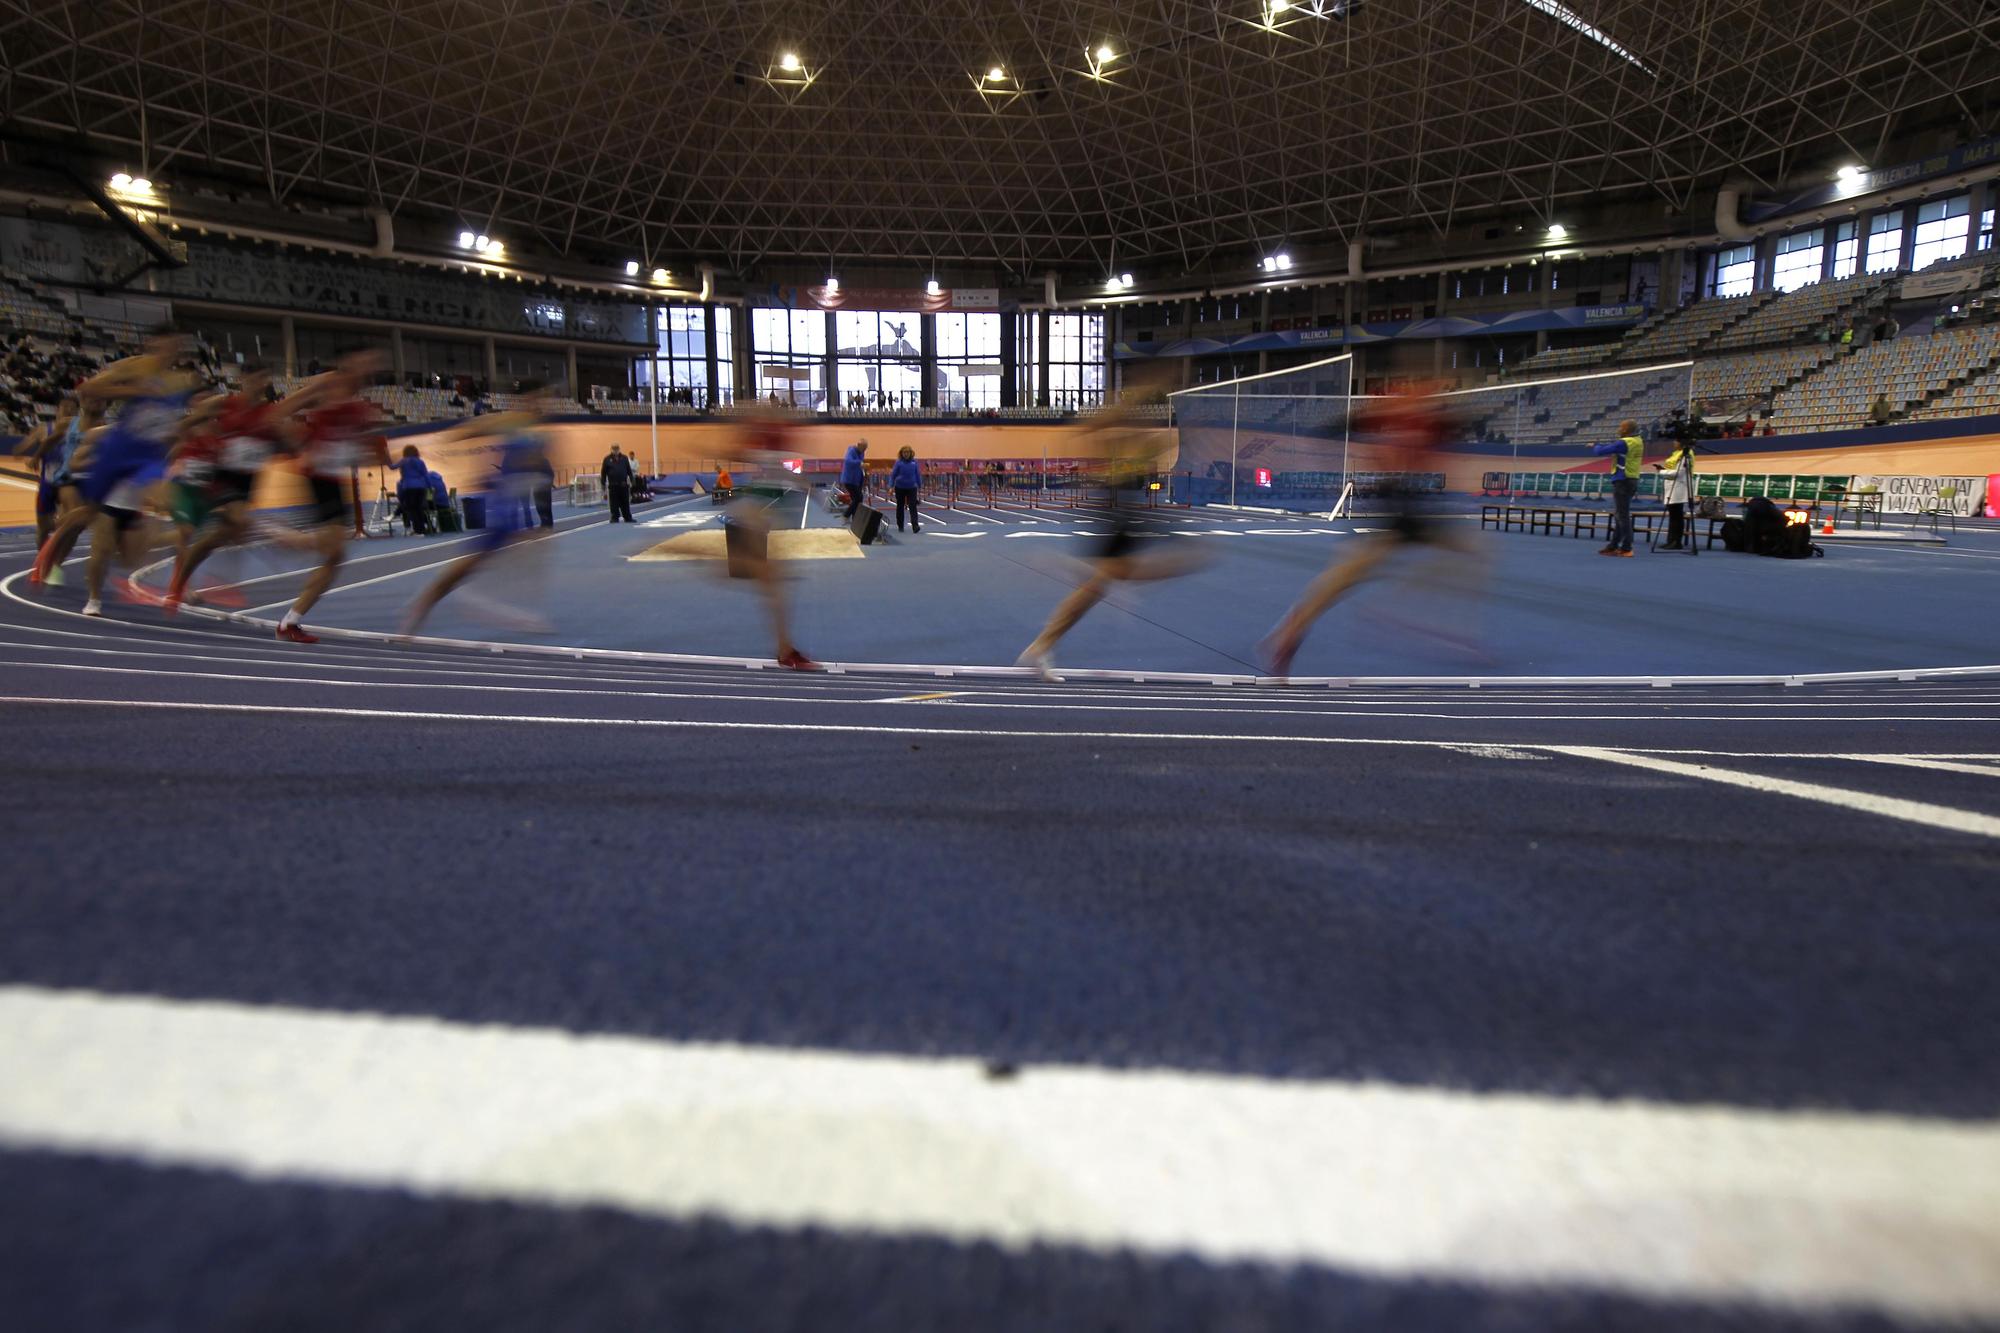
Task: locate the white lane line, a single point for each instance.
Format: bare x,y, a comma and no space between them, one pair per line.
942,700
1966,821
1891,807
1930,762
418,569
1812,1209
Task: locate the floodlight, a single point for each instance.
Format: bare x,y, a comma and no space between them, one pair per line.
1557,231
832,283
788,61
631,268
1850,174
120,181
1105,55
932,288
465,239
1125,281
1284,261
480,243
660,275
140,185
996,75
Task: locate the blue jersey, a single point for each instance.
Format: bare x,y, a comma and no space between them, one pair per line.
56,461
148,424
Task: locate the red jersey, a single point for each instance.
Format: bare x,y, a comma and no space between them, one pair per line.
342,437
248,433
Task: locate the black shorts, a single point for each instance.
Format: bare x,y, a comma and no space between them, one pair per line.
121,519
231,487
748,546
329,502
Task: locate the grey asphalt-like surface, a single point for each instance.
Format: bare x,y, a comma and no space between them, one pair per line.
1426,886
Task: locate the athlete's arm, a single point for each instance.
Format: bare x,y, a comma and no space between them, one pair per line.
120,379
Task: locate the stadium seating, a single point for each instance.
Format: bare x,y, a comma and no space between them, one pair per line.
1688,328
1906,371
1721,382
1797,315
1562,358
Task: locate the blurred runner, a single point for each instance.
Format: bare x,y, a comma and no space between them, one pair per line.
523,466
1403,437
342,433
1134,550
248,433
765,441
127,462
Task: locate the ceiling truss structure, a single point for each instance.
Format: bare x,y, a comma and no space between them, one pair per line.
668,130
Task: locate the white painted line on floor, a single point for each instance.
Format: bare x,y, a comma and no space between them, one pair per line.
1891,807
497,685
1812,1209
1930,762
530,535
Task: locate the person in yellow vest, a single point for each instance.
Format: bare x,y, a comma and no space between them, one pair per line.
1628,456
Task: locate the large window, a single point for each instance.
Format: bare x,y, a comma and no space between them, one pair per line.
1799,259
1076,360
1885,242
1941,230
1985,240
1736,271
681,367
878,357
725,354
968,361
1846,250
788,348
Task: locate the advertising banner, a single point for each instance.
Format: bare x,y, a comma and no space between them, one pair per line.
1910,495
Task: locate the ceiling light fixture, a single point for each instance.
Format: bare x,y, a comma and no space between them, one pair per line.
789,62
631,268
832,283
661,275
1557,231
1571,19
465,239
996,75
121,181
1850,174
932,288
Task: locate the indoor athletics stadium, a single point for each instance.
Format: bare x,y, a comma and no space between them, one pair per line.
1059,665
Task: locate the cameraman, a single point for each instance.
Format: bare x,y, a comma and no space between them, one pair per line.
1677,490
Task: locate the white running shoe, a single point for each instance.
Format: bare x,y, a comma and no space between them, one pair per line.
54,578
93,607
1042,664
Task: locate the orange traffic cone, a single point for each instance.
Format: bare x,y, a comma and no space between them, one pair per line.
1827,531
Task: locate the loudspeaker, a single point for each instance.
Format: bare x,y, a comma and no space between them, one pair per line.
867,524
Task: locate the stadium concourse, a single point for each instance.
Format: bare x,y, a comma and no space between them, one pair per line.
566,979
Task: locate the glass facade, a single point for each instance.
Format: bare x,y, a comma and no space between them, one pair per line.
1885,242
1942,227
878,358
968,362
1735,271
1799,258
1076,360
788,353
1846,250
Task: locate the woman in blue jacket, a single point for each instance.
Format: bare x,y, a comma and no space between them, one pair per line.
906,477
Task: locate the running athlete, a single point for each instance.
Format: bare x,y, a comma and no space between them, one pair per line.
249,432
48,447
1406,433
1131,551
343,432
766,442
523,464
129,460
72,469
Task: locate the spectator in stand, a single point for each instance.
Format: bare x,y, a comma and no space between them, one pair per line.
906,478
1879,411
616,472
412,489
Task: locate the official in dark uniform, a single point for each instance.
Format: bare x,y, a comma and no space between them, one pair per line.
617,474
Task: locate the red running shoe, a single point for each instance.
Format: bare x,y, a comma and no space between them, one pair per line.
797,661
296,634
138,594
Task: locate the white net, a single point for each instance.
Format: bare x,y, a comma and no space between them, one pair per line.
1551,417
1278,440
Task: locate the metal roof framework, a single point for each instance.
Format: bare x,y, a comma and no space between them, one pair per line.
671,130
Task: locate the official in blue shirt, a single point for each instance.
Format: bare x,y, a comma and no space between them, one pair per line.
412,489
854,475
906,478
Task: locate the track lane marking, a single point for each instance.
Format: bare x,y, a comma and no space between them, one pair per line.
1907,811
